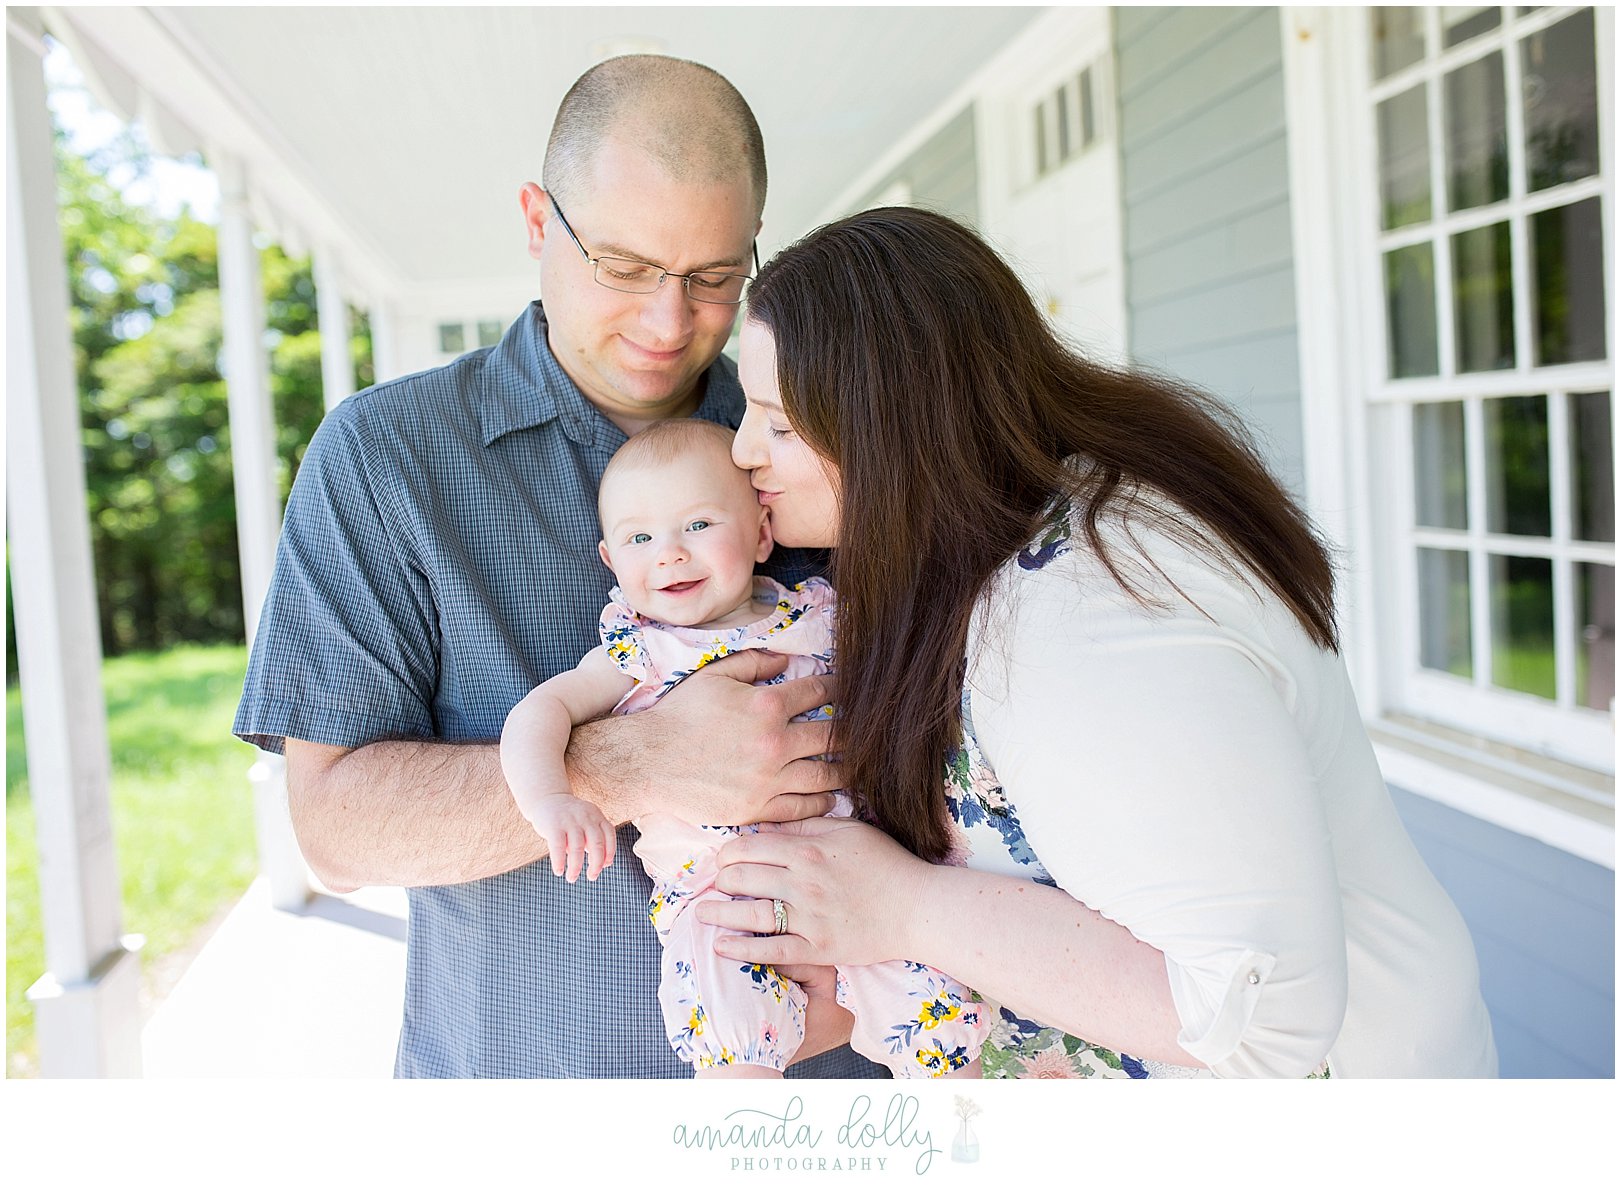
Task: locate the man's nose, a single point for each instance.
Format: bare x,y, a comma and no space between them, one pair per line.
667,313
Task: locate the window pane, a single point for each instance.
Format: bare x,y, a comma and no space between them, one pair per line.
1483,298
1460,23
1089,130
1041,138
1398,38
1522,624
489,333
1063,122
1410,311
1517,466
1438,465
1561,103
1477,134
1592,467
1404,159
452,338
1568,247
1443,611
1595,651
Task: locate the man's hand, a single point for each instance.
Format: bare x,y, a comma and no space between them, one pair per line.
717,749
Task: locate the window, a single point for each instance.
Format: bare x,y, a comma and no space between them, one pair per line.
1065,122
458,337
1489,214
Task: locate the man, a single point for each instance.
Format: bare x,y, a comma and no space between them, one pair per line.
438,560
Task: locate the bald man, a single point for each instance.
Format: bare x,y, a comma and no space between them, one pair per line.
438,560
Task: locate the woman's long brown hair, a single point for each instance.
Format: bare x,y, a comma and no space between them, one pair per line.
911,357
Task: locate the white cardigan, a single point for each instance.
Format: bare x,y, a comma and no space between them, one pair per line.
1199,773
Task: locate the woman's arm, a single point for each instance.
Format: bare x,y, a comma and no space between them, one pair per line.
1158,774
857,897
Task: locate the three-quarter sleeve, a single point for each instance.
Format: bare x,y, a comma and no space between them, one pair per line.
1161,778
346,649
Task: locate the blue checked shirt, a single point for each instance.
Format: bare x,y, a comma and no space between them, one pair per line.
438,561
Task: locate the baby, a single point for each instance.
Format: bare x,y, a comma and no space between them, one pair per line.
682,532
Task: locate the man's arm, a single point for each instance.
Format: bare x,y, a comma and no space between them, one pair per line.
419,813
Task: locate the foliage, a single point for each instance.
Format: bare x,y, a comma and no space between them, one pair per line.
147,338
182,815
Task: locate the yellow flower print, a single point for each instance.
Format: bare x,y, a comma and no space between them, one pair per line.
938,1010
724,1057
714,654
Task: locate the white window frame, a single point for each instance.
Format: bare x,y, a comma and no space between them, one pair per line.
1562,728
1044,97
1359,425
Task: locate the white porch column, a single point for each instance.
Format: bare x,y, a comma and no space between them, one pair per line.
258,502
385,364
332,312
86,1006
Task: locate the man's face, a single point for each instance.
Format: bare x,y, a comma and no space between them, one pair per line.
638,356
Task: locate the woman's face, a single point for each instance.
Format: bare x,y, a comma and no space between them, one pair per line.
798,486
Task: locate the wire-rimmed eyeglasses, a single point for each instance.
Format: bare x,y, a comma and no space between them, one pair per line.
638,276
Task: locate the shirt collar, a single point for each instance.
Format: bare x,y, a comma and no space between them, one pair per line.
524,386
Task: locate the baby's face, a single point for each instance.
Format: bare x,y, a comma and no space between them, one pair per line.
683,537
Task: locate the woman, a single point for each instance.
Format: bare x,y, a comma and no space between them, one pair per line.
1161,827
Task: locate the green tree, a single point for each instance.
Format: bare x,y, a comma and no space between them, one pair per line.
146,325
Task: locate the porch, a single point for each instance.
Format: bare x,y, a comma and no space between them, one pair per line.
311,992
1127,209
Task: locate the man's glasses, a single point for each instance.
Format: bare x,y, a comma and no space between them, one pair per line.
637,276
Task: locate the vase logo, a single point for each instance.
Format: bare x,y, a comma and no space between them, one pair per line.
964,1143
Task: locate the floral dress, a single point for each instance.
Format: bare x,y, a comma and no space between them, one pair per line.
990,838
914,1019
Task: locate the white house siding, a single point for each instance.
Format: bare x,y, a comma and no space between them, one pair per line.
1209,268
1209,293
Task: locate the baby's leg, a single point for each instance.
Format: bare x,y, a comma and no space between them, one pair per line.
723,1017
729,1019
920,1022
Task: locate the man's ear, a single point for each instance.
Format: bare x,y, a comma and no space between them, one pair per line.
602,552
537,212
764,551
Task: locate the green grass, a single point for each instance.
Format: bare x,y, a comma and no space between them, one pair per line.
182,815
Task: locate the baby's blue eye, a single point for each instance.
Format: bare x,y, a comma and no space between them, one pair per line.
640,538
698,526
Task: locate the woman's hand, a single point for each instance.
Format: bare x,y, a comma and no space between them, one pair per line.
848,888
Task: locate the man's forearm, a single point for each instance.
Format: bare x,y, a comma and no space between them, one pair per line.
405,813
419,813
607,764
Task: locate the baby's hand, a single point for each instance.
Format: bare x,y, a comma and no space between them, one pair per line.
572,829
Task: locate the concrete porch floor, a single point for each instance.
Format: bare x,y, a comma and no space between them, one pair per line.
312,994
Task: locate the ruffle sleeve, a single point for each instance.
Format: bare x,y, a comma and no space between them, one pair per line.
621,632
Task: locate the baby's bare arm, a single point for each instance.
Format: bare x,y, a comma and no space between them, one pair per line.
537,730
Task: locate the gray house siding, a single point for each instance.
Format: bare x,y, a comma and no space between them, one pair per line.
1544,928
1210,297
1210,289
943,173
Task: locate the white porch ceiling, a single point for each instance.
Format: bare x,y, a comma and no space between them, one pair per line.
415,127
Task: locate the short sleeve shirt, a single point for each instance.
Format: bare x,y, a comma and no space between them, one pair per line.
438,560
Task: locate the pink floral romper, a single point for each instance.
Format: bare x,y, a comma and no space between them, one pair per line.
914,1019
